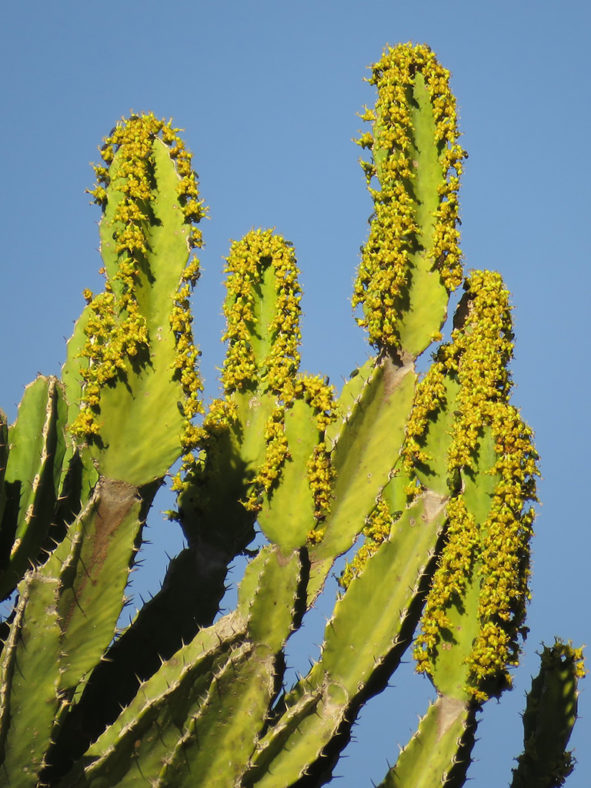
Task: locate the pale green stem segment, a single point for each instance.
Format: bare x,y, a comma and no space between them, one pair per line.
217,687
148,730
211,751
364,630
29,676
366,448
431,757
31,479
65,619
93,563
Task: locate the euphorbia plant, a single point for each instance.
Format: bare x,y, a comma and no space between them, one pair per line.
430,477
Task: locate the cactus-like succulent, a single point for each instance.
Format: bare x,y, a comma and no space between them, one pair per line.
428,478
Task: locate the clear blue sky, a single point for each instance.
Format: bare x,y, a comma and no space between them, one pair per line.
268,92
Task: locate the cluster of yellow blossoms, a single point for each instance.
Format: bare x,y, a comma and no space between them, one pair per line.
247,264
116,329
385,270
262,311
375,531
477,360
321,472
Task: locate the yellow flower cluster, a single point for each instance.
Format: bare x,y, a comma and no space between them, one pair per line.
116,330
185,362
319,394
319,467
566,656
449,581
220,418
375,531
321,473
277,451
321,476
247,264
480,353
477,358
385,268
429,399
505,549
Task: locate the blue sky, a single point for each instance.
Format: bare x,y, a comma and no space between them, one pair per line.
268,92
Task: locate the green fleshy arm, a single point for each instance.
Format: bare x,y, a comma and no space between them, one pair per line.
31,479
549,718
446,732
133,362
411,261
